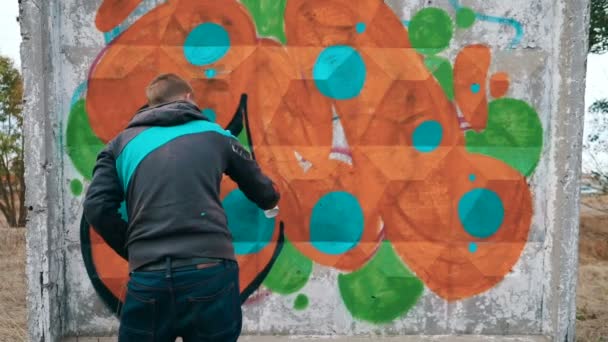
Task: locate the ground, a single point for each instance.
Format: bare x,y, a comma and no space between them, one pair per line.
12,285
592,297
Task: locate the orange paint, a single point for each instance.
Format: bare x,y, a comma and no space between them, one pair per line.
470,77
415,194
321,23
301,195
154,45
384,46
113,12
271,74
421,217
407,104
111,268
499,84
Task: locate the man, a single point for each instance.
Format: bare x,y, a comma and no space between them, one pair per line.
167,165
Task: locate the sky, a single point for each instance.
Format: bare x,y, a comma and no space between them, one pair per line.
10,36
597,67
597,88
597,78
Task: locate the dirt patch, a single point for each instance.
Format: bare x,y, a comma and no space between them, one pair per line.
12,285
592,292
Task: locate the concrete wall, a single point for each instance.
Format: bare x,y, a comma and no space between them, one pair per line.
428,153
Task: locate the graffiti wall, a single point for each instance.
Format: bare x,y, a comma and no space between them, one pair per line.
407,139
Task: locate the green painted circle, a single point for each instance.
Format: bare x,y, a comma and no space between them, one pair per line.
290,272
514,134
82,145
431,30
382,290
465,17
301,302
76,187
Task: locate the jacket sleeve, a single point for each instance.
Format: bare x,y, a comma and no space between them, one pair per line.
244,170
103,201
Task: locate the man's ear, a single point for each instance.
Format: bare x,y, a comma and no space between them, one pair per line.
190,98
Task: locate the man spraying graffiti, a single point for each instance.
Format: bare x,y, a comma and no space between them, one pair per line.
167,167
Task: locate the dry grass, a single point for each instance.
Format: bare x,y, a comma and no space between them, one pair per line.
592,292
12,285
592,297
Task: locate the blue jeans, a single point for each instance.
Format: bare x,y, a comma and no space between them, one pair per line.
195,304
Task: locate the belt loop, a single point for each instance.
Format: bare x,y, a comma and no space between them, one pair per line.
168,268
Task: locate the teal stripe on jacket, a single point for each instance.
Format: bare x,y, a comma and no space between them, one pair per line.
153,138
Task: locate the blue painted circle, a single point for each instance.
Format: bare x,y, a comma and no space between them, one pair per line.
210,73
207,43
339,72
475,88
427,136
473,247
481,212
336,223
210,114
472,177
251,230
361,27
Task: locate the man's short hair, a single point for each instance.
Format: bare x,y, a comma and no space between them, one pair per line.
167,88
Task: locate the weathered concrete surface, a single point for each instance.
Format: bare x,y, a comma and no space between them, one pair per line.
398,339
45,254
537,298
360,339
565,167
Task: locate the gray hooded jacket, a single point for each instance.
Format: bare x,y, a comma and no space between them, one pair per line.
164,171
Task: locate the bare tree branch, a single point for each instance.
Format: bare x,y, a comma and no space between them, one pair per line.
5,182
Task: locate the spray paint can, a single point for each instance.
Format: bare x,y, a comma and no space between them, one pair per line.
270,213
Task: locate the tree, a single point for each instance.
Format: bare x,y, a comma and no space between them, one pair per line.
599,106
598,30
596,139
598,41
596,143
12,182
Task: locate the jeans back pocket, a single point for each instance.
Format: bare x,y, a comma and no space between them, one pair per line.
137,318
217,317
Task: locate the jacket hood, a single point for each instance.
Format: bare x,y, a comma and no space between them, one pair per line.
168,114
